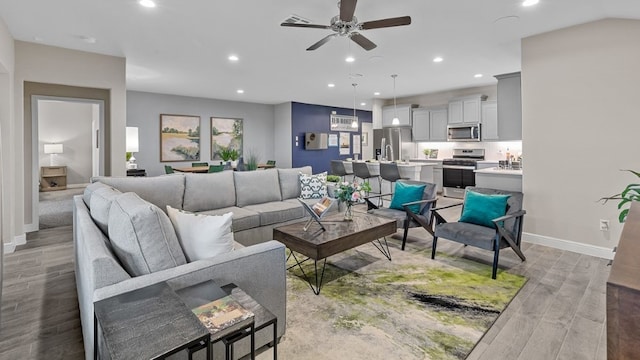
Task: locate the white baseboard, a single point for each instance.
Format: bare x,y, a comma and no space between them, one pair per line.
580,248
10,247
20,239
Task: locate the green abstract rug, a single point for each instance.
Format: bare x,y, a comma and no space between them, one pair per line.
409,308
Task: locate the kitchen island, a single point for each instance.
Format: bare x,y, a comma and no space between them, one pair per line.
410,170
501,179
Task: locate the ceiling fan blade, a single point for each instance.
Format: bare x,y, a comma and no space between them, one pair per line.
347,8
362,41
383,23
321,42
313,26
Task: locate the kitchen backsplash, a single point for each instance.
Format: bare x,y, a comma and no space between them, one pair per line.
493,150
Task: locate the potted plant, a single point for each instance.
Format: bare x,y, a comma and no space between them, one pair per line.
426,152
629,194
233,155
252,161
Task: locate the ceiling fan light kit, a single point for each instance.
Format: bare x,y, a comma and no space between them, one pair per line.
346,24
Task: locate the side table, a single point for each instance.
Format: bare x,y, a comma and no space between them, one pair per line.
136,172
148,323
207,291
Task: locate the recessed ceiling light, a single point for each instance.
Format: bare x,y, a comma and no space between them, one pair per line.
331,85
363,103
350,59
529,2
147,3
233,58
437,59
240,91
477,76
376,93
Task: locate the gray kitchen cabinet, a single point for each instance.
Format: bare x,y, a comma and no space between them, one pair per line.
509,106
404,115
430,124
466,109
489,130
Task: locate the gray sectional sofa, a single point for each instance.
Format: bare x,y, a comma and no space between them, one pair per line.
259,200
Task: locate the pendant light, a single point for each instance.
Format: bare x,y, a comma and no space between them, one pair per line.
354,123
395,120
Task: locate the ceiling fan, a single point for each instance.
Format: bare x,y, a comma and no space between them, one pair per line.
346,24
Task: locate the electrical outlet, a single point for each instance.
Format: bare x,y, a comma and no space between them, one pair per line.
604,225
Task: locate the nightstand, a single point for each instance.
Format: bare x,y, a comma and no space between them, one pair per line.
136,172
53,178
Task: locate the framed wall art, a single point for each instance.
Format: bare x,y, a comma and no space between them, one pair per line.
179,137
226,134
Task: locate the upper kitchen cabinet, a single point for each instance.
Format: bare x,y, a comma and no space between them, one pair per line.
509,107
466,109
405,113
430,124
489,130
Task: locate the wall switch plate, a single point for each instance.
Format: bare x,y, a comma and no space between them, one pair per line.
604,225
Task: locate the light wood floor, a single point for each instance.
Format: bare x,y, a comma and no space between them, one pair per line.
558,314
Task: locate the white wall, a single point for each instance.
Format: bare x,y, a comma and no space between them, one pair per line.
282,135
581,120
68,123
53,65
144,109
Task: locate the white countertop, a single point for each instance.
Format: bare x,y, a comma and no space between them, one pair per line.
424,159
398,163
488,161
496,171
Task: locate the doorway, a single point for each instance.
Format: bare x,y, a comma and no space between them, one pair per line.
72,128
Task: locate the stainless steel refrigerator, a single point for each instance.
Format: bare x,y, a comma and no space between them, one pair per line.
397,141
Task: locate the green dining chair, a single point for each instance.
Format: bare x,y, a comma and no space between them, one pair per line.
168,169
215,168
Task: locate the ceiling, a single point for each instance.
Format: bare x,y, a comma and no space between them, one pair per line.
182,47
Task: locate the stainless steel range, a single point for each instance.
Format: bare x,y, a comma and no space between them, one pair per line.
458,172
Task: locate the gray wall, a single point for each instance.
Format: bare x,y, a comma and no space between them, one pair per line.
68,123
144,109
282,135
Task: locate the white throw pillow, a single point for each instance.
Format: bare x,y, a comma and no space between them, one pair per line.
313,186
202,236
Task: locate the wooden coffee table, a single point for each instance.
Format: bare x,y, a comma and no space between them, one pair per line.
339,236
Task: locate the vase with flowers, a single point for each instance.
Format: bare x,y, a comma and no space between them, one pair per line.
351,193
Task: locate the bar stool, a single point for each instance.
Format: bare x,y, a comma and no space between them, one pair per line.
390,173
338,169
361,170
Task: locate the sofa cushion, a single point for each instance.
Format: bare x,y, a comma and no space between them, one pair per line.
290,181
142,236
88,191
243,219
100,204
209,191
313,186
202,236
159,190
277,211
256,187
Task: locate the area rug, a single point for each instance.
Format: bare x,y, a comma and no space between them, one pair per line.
409,308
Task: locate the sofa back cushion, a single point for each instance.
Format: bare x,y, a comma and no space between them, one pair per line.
100,204
159,190
290,181
256,187
142,236
209,191
88,191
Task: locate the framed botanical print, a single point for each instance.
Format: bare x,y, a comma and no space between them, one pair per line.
226,135
179,137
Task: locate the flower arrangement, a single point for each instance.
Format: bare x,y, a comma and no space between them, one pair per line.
351,193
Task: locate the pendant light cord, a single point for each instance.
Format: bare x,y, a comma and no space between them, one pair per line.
354,123
395,105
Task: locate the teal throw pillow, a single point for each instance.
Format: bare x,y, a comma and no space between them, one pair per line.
480,209
406,193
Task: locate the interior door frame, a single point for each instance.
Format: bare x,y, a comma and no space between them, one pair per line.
35,156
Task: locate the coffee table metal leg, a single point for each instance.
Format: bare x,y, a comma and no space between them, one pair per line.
383,248
316,289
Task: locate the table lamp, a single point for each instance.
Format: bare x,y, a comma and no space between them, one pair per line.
52,150
132,146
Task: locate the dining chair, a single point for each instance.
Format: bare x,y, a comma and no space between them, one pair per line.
271,162
168,169
215,168
198,164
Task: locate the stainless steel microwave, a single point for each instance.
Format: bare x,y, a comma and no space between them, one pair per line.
463,132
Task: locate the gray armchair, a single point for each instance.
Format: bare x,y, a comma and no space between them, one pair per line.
506,232
406,218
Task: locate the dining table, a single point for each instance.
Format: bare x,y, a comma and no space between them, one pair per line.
193,169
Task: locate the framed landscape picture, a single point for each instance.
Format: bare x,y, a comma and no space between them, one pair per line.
179,137
226,134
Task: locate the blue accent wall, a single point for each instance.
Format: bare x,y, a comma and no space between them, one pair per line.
317,118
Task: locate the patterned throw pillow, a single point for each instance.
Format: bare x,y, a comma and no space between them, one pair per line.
313,186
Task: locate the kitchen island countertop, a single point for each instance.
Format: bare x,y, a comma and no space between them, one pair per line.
497,171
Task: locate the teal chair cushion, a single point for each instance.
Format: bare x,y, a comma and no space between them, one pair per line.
406,193
480,209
